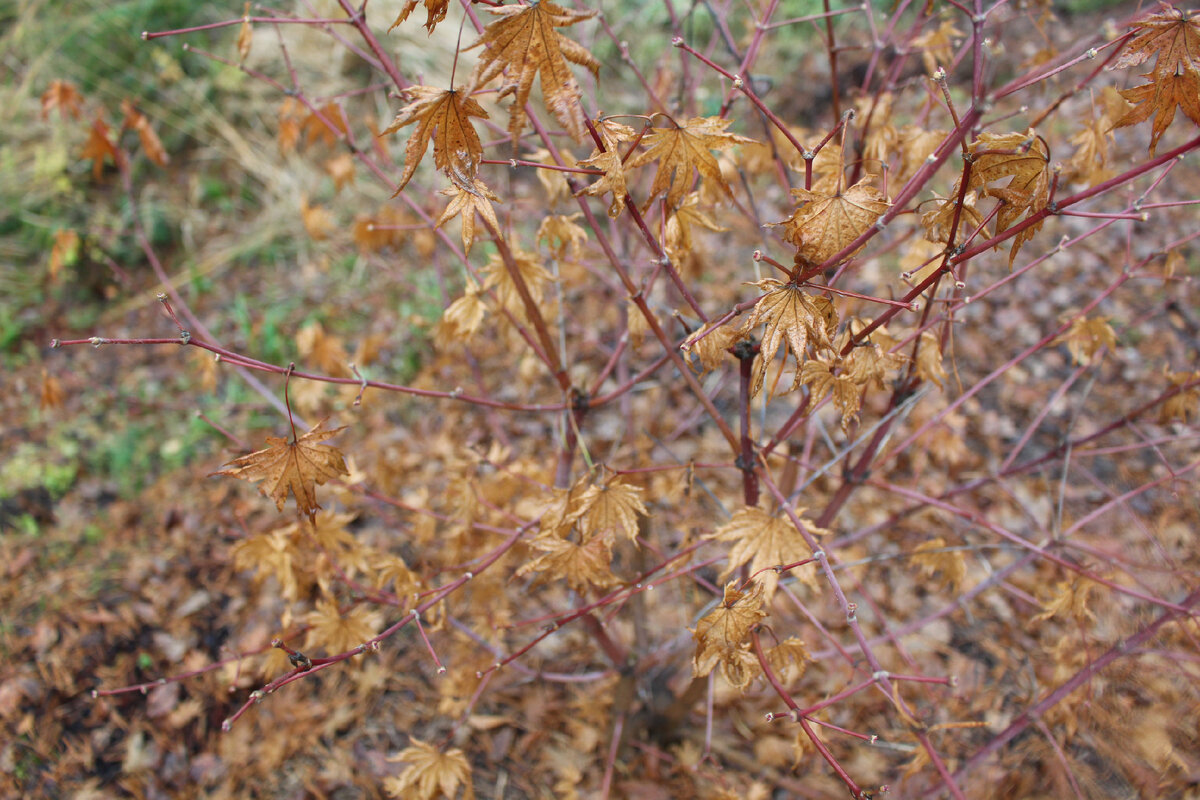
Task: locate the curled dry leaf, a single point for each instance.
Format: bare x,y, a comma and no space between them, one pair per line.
466,200
435,12
1024,159
721,635
292,467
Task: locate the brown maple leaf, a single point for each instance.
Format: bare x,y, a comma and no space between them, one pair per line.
466,201
825,223
1086,336
582,565
136,121
292,467
944,565
609,159
721,635
65,97
678,234
682,150
1183,404
764,540
793,317
1171,36
333,631
326,124
445,116
524,44
435,12
1024,159
611,507
431,773
1161,99
99,147
245,35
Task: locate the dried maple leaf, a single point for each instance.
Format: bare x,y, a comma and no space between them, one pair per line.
711,346
498,279
825,223
98,147
466,201
582,565
341,169
385,228
821,379
791,316
1023,158
295,467
270,554
327,124
65,97
334,632
1171,36
936,561
939,222
680,150
1182,405
611,507
325,351
431,773
136,121
789,659
318,221
937,46
290,121
1070,597
463,317
245,35
609,160
678,234
721,634
1086,336
928,365
1161,98
435,12
443,115
64,252
524,44
52,391
764,541
561,233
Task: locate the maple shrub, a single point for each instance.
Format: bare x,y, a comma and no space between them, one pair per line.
811,410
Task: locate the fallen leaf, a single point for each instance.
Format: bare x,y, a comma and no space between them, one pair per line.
431,773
